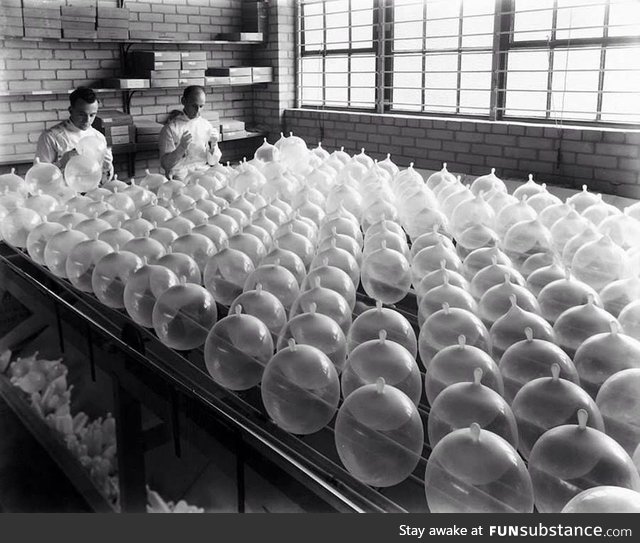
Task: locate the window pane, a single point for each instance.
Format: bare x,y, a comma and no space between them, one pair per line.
408,10
621,99
443,24
475,83
441,81
477,23
527,83
575,83
576,19
532,20
624,18
363,81
361,27
311,80
337,31
336,81
407,82
408,36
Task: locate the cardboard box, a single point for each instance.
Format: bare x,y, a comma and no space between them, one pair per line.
13,4
49,4
8,11
113,23
78,11
147,138
80,34
105,12
12,31
164,74
191,74
113,33
194,64
193,55
217,80
41,13
78,25
111,117
144,126
193,81
126,83
41,22
118,140
42,32
163,83
240,80
262,79
6,20
231,125
261,70
227,136
232,71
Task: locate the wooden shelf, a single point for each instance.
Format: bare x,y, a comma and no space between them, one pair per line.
149,42
55,448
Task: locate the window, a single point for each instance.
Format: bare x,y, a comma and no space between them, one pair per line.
545,60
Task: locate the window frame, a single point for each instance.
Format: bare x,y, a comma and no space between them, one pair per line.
503,43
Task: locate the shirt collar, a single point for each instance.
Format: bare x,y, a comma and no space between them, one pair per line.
72,127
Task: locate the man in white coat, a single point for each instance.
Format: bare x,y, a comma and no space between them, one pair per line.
57,144
188,141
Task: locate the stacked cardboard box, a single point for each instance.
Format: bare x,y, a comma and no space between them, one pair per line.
254,17
79,21
42,18
113,23
11,22
162,68
116,126
147,131
193,66
231,129
239,75
261,74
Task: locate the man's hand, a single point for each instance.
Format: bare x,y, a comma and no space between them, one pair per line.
65,158
185,141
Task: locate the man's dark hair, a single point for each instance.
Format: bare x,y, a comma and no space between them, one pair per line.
82,93
191,89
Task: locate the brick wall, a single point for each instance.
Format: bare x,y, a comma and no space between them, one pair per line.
58,66
606,160
274,98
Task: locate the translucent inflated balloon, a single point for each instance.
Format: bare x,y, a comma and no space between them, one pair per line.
58,249
476,471
586,235
38,239
17,225
43,204
114,217
138,226
566,227
457,363
71,219
629,319
528,189
472,212
10,201
226,273
487,182
13,183
437,278
110,277
300,389
436,178
547,402
464,403
510,328
562,294
496,301
392,226
250,245
531,359
569,459
368,324
551,214
179,225
391,240
481,258
382,358
578,324
386,275
275,279
429,239
493,275
264,306
582,200
327,301
116,237
91,147
196,191
453,295
288,260
543,200
602,355
429,259
183,315
260,233
300,245
197,246
598,212
604,499
526,238
623,230
512,214
93,227
379,435
182,265
444,329
475,237
216,234
537,261
342,242
143,289
318,330
617,295
194,215
237,350
83,173
146,247
152,181
82,260
334,279
619,403
45,177
499,200
226,223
